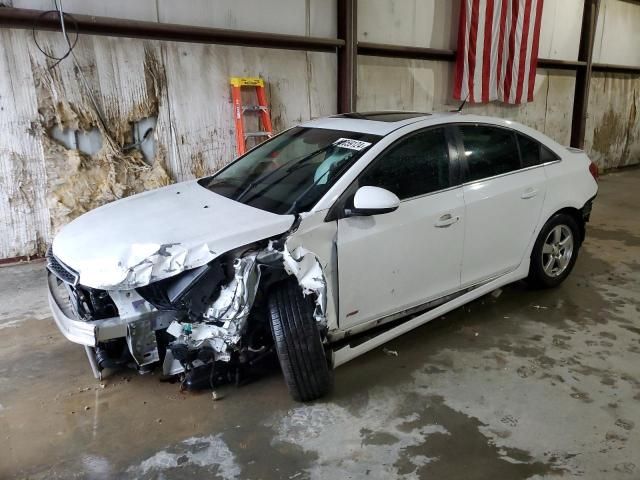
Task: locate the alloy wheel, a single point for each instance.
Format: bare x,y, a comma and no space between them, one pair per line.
557,250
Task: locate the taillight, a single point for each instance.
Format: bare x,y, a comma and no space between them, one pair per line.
593,170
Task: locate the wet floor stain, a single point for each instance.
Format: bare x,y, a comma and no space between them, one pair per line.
524,384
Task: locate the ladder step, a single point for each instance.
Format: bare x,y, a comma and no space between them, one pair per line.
257,134
255,108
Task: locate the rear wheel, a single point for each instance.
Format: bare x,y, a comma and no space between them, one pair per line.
298,343
555,251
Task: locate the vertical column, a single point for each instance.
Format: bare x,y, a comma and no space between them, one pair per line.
347,55
583,73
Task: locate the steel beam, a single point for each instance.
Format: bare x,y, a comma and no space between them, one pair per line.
583,74
608,68
347,55
400,51
118,27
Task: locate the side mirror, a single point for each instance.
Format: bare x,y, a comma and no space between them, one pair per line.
373,201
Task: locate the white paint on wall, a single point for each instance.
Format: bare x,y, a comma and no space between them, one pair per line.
133,10
294,17
560,29
434,24
388,83
322,18
618,33
416,23
277,16
300,86
24,217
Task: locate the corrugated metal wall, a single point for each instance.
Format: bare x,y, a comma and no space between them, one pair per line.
613,127
43,184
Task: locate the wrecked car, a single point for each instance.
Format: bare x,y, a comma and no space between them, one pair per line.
319,244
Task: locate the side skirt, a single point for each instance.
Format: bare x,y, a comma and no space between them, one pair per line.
342,355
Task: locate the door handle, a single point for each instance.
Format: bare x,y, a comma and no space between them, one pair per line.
529,193
446,220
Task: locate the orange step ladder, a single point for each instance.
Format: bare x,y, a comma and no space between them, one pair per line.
237,83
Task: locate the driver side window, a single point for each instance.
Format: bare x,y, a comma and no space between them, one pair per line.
414,166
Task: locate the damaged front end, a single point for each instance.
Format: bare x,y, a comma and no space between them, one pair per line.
207,325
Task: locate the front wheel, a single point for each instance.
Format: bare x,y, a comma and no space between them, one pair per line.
298,343
555,251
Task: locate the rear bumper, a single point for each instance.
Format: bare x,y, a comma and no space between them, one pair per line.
586,209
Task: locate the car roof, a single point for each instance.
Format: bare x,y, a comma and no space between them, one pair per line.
376,123
384,122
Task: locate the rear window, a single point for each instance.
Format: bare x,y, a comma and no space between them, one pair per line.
533,152
529,151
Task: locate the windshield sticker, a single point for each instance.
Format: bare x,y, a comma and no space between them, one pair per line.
351,144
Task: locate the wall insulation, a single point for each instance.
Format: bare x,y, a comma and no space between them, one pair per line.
44,182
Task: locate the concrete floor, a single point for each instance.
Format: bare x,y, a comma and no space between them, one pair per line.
527,384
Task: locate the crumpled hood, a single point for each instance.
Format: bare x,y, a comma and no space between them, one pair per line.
157,234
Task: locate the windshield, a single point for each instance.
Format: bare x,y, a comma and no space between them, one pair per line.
291,172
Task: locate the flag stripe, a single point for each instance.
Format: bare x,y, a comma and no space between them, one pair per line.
527,65
523,50
495,46
534,51
462,28
516,33
471,49
498,42
479,69
505,23
486,53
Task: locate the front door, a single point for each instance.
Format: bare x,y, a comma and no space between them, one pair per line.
391,262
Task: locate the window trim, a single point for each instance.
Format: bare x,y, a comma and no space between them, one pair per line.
465,166
336,211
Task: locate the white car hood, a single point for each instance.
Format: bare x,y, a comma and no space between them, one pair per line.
157,234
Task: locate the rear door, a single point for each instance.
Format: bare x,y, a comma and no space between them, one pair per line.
503,199
395,261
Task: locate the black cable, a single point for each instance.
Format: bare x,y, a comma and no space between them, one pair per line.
70,45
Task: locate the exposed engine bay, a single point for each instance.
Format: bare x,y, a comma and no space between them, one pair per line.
205,326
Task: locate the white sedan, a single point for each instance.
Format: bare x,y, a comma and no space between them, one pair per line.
337,226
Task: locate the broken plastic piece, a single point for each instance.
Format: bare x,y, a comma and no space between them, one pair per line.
305,266
227,316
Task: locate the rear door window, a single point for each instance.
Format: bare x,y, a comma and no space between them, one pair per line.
489,151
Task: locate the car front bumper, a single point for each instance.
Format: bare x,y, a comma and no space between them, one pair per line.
90,333
87,333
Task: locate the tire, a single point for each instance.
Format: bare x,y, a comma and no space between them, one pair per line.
548,272
298,343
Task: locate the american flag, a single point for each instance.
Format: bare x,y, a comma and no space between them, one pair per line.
497,50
